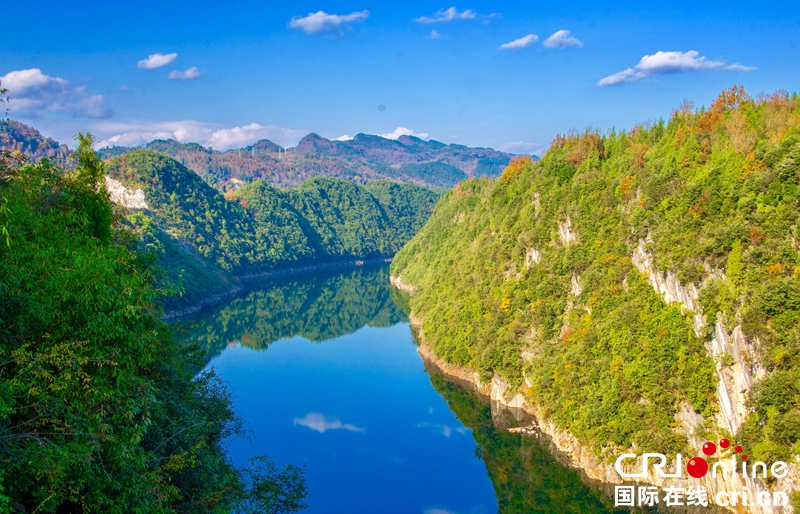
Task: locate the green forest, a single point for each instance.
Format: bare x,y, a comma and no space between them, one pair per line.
204,240
530,276
317,307
100,408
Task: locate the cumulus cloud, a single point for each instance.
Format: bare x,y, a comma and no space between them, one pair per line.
402,131
321,22
435,35
319,423
186,131
520,43
561,39
32,93
445,15
191,73
344,137
154,61
662,63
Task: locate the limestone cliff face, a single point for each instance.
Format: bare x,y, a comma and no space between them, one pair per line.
737,367
123,196
735,381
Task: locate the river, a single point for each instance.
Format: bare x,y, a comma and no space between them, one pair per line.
324,370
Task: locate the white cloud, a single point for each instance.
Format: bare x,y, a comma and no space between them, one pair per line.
186,131
154,61
445,15
438,511
402,131
561,39
191,73
520,43
662,63
523,147
319,423
32,93
445,430
321,22
343,138
435,35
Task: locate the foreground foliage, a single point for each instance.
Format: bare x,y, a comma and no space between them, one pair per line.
531,274
99,410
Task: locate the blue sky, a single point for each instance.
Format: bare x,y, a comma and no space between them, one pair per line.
479,74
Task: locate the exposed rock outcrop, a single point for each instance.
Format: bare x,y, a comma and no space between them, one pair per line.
532,256
123,196
566,232
569,450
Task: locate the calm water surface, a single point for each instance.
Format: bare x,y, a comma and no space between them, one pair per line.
325,372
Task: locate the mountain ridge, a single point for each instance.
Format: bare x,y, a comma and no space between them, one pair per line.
205,240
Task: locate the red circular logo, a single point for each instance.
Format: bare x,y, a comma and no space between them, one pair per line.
697,467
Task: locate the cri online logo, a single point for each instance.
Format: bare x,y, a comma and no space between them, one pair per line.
698,467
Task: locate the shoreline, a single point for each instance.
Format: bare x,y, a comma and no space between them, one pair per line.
563,445
249,278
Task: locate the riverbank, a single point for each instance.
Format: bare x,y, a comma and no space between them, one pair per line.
247,279
598,471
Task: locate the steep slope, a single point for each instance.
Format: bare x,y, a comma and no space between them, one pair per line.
631,285
16,136
204,239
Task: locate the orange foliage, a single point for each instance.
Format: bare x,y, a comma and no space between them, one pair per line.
625,185
775,269
559,142
584,147
515,167
638,150
756,235
752,165
727,100
779,116
698,209
566,335
742,137
679,135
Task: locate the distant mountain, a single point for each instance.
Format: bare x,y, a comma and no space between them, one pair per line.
360,160
16,136
204,239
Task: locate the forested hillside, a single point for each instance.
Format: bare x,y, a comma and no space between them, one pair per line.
100,408
546,277
203,238
16,136
362,159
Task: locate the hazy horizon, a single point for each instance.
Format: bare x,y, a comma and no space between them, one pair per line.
497,75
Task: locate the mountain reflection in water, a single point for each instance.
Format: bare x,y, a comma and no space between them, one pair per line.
379,430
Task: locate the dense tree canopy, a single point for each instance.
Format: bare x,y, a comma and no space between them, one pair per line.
203,239
99,409
531,275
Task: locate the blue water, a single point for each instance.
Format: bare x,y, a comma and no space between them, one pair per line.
325,372
360,411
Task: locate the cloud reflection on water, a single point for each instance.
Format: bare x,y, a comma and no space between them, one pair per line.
319,423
